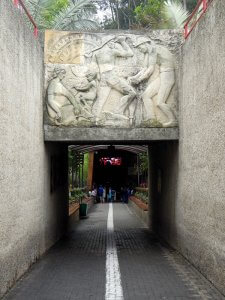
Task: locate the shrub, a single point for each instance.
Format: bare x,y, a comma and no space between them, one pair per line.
143,196
77,195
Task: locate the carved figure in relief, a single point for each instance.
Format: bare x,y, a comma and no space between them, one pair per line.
161,86
87,92
103,83
105,58
59,96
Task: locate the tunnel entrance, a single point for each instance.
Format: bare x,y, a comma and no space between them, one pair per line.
117,169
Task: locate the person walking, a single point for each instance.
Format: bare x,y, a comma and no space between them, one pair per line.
110,195
100,193
104,194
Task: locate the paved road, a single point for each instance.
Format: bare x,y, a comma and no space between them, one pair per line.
112,255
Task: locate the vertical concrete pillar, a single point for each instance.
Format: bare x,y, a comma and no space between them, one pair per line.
138,170
152,183
150,186
90,170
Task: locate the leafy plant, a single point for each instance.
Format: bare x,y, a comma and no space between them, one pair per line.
63,14
143,157
190,4
142,196
159,14
120,13
175,14
76,16
150,14
77,195
74,169
52,9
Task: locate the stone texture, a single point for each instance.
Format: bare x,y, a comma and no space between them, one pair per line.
121,80
140,212
56,47
54,134
189,211
31,217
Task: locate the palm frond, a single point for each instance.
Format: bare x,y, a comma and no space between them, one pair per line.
36,8
82,24
77,15
175,13
79,8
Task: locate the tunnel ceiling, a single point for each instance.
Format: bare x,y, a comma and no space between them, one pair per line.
90,148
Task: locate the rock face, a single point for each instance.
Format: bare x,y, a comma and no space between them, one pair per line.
121,80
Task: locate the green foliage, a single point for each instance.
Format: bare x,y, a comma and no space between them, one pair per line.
70,160
77,195
161,14
150,14
143,158
63,14
122,13
86,161
191,4
109,24
76,16
53,9
175,14
74,168
142,196
135,14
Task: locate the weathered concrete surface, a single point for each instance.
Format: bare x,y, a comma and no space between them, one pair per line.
142,214
54,134
164,199
31,217
111,80
190,209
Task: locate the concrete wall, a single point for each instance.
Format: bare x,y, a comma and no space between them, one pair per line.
190,211
142,214
163,191
31,216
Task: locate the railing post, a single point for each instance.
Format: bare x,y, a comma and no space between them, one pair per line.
35,32
20,4
16,2
204,3
185,31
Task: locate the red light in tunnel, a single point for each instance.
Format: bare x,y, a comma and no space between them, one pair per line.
113,161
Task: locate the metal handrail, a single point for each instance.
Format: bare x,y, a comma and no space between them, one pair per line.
20,3
198,12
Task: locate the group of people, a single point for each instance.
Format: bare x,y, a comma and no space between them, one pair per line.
105,194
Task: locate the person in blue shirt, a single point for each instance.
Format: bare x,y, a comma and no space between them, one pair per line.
110,195
100,193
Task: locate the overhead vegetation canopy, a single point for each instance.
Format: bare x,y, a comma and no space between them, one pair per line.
152,14
63,14
115,14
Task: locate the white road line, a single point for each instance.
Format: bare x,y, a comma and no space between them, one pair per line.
113,290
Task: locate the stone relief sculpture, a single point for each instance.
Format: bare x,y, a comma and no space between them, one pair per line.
58,97
105,57
86,90
161,86
120,81
71,107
